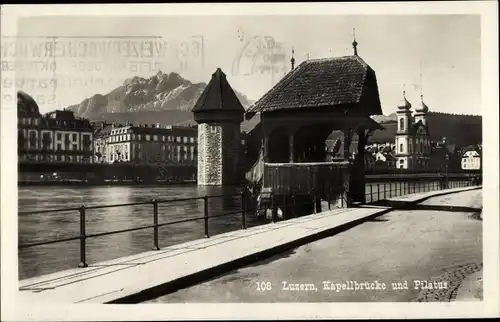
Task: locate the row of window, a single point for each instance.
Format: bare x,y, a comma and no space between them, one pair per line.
36,121
59,147
29,121
467,163
419,148
154,138
74,136
55,158
169,157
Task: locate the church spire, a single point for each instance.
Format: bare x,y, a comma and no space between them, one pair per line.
292,60
404,105
355,43
422,108
421,83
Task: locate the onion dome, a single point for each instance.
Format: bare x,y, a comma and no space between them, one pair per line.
404,104
422,108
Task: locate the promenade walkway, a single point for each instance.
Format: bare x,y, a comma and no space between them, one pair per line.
148,275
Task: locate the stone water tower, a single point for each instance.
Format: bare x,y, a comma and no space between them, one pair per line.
219,114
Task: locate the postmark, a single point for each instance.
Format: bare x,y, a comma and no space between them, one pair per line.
260,55
49,66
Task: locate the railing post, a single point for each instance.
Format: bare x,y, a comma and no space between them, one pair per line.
243,211
371,192
385,191
83,239
285,207
294,205
205,215
314,204
378,191
400,188
155,223
273,208
390,189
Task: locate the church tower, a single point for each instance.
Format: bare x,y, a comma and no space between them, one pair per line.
421,112
219,114
421,136
403,135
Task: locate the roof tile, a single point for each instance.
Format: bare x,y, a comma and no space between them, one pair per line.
319,83
218,95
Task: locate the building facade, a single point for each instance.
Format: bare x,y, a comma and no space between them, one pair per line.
413,146
146,144
54,137
471,159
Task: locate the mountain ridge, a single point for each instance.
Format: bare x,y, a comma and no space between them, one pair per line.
162,92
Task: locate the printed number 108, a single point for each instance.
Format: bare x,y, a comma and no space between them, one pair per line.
264,286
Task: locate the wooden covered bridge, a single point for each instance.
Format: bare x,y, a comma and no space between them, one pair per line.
296,117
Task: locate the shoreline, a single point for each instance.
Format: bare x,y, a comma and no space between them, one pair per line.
111,183
370,178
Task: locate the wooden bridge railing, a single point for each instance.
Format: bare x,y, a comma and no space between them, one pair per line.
318,178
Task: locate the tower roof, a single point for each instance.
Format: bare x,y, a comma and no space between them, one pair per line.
404,104
218,96
422,108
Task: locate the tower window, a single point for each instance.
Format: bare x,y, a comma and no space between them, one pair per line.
401,124
401,148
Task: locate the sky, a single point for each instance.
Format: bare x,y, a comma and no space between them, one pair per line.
437,55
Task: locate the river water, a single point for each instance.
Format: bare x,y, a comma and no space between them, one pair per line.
39,260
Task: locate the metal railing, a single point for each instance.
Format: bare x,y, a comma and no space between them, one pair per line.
288,207
83,236
382,191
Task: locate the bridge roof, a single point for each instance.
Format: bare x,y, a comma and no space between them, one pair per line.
326,82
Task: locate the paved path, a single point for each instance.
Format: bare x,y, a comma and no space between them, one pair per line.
177,266
444,245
